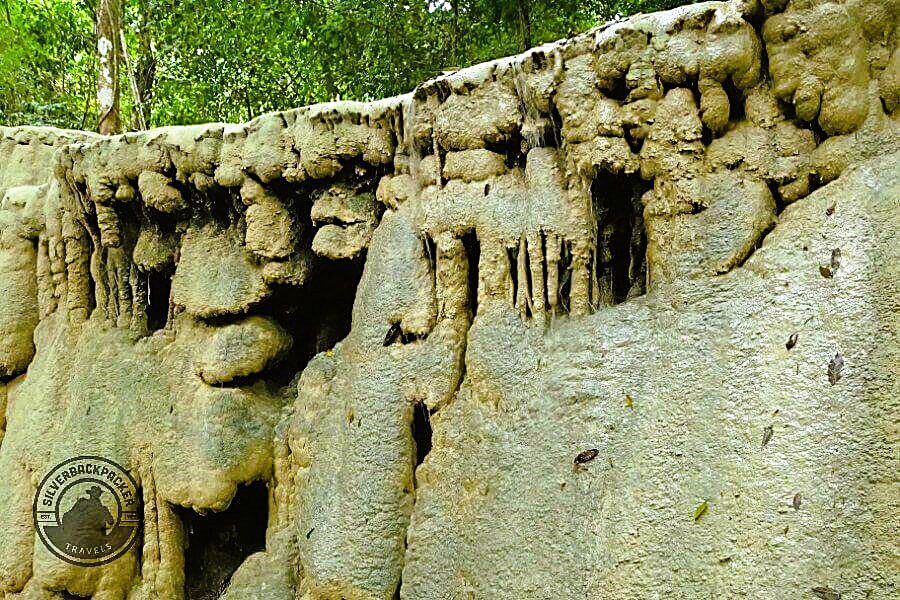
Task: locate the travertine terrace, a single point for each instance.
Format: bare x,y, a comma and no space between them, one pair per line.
351,351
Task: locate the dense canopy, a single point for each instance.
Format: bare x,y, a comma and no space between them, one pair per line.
190,61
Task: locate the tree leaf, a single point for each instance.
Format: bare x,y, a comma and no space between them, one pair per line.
700,510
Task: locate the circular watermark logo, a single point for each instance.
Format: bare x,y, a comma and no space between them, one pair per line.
87,511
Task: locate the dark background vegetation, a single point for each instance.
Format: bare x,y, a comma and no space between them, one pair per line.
192,61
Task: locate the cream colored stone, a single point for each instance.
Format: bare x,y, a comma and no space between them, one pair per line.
632,245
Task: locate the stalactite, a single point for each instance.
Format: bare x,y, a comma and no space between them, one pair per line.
108,224
78,294
451,277
579,296
162,561
139,301
46,300
536,268
56,255
523,294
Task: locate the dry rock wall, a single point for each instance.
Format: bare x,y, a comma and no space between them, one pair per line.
612,318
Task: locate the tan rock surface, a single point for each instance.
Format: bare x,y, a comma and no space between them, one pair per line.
612,318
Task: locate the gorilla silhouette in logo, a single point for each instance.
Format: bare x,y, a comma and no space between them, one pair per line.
88,523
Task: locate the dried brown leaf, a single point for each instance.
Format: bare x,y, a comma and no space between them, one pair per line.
767,435
586,456
834,368
836,258
792,341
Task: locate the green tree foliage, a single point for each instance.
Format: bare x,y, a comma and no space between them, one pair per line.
48,68
194,60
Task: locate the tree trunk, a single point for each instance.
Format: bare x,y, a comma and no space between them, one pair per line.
525,24
456,32
138,121
145,64
109,51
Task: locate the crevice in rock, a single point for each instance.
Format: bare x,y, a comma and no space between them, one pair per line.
222,205
217,544
758,244
564,267
392,335
92,231
634,142
511,148
776,196
756,20
706,136
159,293
512,256
620,260
528,283
618,91
396,334
735,101
317,316
473,256
421,431
430,249
544,291
555,139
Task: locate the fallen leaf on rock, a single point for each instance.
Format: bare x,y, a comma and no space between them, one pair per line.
586,456
826,593
792,341
835,258
767,435
700,510
834,368
797,500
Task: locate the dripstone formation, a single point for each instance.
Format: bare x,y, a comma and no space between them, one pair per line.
352,351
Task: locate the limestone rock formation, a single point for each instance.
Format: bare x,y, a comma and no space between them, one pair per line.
612,318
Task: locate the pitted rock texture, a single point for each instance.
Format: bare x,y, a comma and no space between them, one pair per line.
554,326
